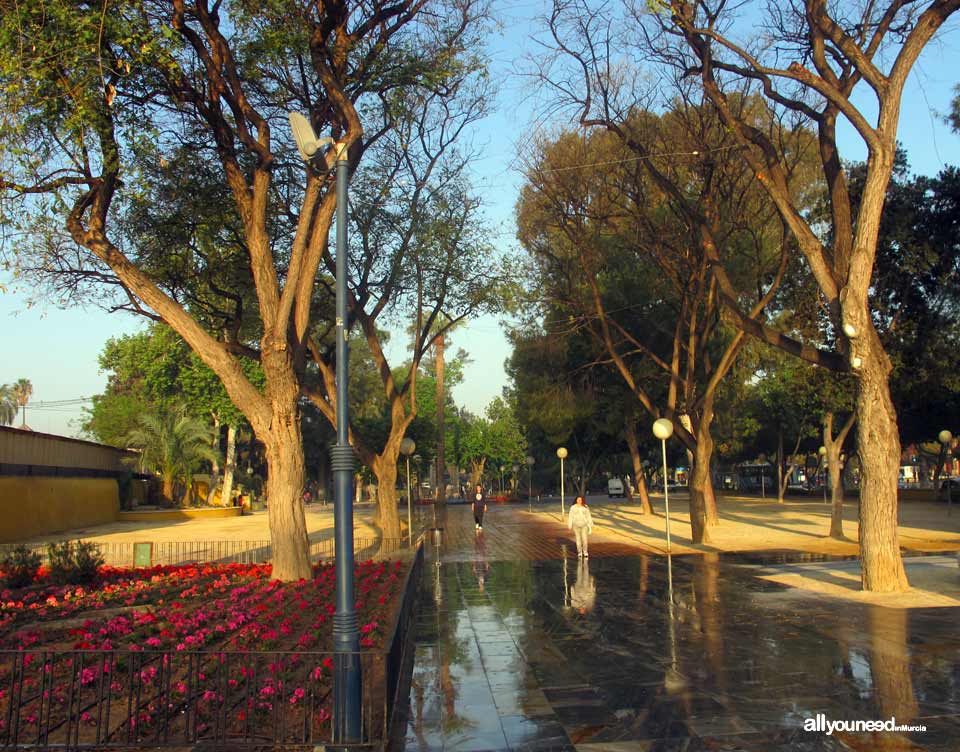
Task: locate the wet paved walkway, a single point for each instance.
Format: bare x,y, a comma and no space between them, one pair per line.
520,647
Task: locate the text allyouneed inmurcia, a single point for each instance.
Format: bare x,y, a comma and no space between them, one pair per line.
821,724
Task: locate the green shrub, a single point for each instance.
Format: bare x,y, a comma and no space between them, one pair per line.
74,564
20,567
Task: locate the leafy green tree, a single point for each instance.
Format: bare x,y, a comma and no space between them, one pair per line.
8,405
88,92
810,69
153,372
172,444
22,391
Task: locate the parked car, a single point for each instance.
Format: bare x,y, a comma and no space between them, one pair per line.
616,489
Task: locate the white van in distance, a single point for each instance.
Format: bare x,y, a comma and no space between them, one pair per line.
615,487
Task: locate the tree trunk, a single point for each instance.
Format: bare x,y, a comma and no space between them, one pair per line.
702,459
476,472
215,464
699,482
781,486
285,479
878,443
441,424
229,467
168,490
384,468
836,490
630,433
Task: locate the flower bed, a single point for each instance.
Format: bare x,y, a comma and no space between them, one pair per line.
146,653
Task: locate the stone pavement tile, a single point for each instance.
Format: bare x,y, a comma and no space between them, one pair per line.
521,730
531,703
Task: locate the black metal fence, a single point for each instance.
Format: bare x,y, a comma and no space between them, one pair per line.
122,554
128,699
220,699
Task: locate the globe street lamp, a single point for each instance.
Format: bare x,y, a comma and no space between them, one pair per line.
562,454
502,468
530,462
822,451
663,430
407,447
946,439
346,637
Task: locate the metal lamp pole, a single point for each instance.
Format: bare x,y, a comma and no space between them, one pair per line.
562,454
946,438
407,447
663,430
530,462
346,637
822,451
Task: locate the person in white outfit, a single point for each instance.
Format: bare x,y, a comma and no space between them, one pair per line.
580,521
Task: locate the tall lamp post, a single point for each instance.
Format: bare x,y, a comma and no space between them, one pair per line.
502,468
946,438
663,430
407,447
530,463
346,636
822,451
562,454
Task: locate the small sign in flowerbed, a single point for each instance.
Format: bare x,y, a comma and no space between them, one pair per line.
180,654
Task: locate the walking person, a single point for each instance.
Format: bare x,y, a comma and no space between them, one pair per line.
580,521
479,506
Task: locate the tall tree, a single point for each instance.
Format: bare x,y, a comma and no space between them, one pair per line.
811,59
173,444
8,405
22,391
634,259
93,94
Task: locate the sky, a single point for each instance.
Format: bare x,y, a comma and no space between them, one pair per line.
58,349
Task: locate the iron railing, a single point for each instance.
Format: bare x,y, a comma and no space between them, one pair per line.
93,699
121,554
125,699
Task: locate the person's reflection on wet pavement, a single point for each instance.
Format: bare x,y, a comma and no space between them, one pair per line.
481,567
583,594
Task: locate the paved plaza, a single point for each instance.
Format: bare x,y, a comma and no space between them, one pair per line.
522,646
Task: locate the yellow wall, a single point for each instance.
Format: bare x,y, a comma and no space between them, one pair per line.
150,515
32,506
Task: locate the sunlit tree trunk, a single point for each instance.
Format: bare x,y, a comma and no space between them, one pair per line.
878,442
229,466
630,433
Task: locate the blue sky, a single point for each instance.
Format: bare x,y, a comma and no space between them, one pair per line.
57,350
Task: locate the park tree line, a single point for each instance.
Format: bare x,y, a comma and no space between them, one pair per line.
145,165
162,400
696,201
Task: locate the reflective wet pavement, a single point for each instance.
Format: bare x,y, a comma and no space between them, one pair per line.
642,652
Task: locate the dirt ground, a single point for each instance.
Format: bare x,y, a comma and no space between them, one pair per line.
250,527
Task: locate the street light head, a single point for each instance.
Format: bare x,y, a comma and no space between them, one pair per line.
822,451
408,446
663,428
562,453
945,437
531,461
308,144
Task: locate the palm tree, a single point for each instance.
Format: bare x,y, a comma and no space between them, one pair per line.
172,444
8,405
22,391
